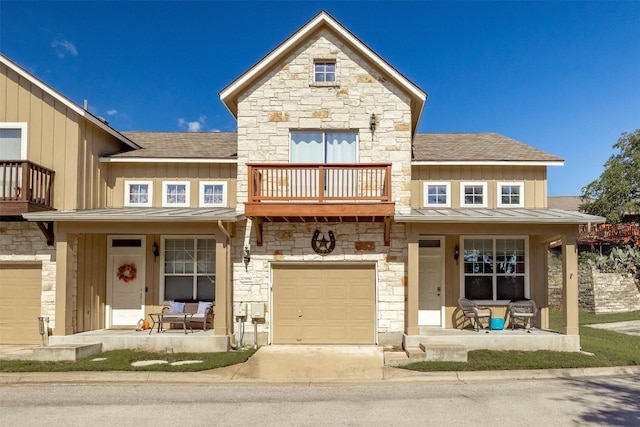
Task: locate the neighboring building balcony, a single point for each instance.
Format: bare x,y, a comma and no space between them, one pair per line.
319,192
25,187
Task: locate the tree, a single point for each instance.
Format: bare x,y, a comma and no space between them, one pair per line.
617,191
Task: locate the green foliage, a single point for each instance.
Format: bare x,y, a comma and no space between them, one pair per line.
624,259
617,191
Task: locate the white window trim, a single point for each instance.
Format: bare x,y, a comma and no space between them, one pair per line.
527,267
127,193
314,82
23,126
511,184
224,194
187,199
425,196
484,194
163,240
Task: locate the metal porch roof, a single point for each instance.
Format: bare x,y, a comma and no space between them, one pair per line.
503,215
135,214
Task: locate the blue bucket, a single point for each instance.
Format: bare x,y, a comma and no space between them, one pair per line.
497,324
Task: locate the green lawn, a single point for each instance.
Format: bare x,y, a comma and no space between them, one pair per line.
121,360
608,348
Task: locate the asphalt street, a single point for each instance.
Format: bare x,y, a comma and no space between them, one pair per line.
558,402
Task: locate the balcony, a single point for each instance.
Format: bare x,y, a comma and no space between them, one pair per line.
24,187
320,192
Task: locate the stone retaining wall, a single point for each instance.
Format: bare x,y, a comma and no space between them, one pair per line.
598,292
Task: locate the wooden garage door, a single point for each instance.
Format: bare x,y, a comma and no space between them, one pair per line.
332,304
20,287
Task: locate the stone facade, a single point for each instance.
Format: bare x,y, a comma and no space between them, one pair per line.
357,243
23,241
287,98
599,293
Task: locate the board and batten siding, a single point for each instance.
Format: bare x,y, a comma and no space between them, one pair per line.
59,139
159,172
534,178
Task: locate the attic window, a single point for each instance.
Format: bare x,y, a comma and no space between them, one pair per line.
324,71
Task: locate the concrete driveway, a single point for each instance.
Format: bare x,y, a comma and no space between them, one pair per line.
309,363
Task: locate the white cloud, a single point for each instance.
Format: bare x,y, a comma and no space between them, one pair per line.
64,48
194,126
112,112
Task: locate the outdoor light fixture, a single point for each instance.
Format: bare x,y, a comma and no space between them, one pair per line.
372,123
155,249
246,256
456,253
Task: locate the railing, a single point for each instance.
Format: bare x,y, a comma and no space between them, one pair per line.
319,183
23,181
610,233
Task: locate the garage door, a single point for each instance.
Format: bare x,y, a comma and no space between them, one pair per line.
20,285
332,304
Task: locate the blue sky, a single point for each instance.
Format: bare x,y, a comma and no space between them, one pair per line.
561,76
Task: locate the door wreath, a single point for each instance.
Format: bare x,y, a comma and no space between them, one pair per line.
127,272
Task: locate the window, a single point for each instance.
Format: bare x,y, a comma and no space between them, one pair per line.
13,141
324,147
495,269
473,194
324,71
437,194
138,193
13,146
189,269
213,193
510,194
175,194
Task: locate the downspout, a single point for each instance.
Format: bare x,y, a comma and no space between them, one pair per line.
232,336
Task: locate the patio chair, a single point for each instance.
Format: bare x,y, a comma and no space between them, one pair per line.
471,310
523,311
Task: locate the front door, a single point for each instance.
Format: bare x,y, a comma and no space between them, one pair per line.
126,280
431,287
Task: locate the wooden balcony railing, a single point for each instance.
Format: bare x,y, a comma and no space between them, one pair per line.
612,234
319,183
25,187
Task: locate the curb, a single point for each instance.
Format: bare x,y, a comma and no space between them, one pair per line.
390,376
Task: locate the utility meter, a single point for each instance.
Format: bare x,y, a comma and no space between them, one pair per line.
240,309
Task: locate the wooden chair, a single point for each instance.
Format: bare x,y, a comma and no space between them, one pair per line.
471,310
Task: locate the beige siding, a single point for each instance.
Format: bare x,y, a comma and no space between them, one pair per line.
92,288
58,139
159,172
534,178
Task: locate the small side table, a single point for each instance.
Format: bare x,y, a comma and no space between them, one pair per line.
156,319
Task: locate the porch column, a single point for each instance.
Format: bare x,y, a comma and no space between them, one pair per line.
223,295
64,285
411,315
570,325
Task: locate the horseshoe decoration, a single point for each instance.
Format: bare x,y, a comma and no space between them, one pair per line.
323,246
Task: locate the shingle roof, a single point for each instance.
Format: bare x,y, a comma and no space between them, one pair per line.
211,145
567,203
464,147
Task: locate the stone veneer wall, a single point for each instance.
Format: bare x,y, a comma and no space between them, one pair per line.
23,241
355,242
598,292
286,99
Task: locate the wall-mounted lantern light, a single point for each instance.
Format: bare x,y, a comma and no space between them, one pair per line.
456,253
372,123
246,257
155,249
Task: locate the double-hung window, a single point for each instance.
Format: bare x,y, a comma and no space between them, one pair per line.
495,269
213,193
324,71
437,194
175,194
473,194
189,271
511,194
138,193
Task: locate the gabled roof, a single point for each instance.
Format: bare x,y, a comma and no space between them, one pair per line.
229,94
66,101
167,146
477,148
